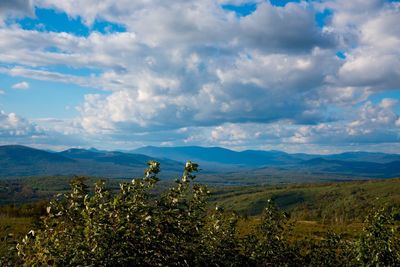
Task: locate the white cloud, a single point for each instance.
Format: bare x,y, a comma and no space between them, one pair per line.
371,123
371,50
45,76
11,125
21,85
269,78
2,92
52,133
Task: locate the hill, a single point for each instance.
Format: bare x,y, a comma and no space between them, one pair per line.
257,163
18,161
218,156
363,168
327,202
219,165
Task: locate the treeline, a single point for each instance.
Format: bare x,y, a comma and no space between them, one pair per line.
176,228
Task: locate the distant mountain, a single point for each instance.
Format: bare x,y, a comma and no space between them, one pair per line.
256,157
390,169
118,158
364,156
27,155
23,161
365,164
18,161
217,156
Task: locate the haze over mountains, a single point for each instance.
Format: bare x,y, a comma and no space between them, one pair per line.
19,161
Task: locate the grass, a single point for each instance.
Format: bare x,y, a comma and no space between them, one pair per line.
15,226
307,229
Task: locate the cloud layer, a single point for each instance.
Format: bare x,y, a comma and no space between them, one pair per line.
191,72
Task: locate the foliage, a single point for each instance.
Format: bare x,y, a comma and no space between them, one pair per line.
330,203
380,245
136,227
269,245
333,250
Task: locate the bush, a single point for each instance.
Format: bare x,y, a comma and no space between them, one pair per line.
136,227
380,243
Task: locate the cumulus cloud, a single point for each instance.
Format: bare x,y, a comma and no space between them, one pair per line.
192,72
52,133
287,28
371,54
372,123
12,125
21,86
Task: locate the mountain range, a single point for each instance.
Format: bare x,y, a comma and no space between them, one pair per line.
19,161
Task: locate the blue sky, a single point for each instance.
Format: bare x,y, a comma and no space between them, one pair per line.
298,76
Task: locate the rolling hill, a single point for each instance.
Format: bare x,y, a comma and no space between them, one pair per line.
334,202
16,161
364,164
390,169
219,165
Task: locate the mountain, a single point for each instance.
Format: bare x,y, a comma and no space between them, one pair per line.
18,161
217,164
258,162
364,156
23,161
390,169
217,156
27,155
118,158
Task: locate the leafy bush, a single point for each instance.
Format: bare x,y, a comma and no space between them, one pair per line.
380,243
136,227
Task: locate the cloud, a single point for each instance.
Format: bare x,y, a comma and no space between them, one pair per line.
21,85
16,8
2,92
20,5
369,40
271,78
44,76
54,134
11,125
294,28
371,123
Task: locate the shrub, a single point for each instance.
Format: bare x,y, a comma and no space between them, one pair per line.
380,243
136,227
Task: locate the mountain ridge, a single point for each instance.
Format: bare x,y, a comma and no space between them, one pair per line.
19,161
16,160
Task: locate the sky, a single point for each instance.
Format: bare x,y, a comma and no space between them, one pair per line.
298,76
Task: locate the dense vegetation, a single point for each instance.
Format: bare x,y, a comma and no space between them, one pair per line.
329,203
136,227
